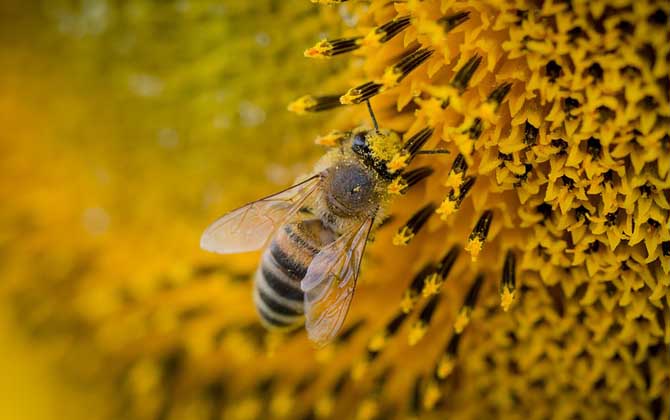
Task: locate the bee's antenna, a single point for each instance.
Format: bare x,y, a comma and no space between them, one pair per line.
372,115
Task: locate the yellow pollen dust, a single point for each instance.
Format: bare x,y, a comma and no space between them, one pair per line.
417,332
377,342
403,236
474,247
507,298
320,50
431,395
407,302
350,97
446,209
463,319
445,366
302,104
431,285
397,187
398,162
384,145
454,180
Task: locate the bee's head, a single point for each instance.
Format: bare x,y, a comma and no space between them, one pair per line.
376,149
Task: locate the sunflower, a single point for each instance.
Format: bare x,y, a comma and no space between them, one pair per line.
528,276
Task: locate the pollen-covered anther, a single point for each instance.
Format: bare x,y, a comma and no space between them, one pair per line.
508,283
411,295
453,201
451,21
457,174
479,233
386,31
431,395
419,328
332,139
395,73
401,183
361,93
465,314
329,48
398,186
433,283
488,109
413,225
447,362
398,162
309,103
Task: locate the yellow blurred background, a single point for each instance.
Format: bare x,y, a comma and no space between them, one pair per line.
126,127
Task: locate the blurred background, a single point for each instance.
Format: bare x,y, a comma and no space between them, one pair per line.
126,127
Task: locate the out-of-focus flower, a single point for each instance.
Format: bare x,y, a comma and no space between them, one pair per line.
527,277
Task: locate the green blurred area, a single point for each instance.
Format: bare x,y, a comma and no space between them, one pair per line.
128,126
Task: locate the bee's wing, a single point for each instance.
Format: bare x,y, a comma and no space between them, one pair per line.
330,282
249,228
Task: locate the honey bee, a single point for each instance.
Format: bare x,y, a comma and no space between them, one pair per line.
314,233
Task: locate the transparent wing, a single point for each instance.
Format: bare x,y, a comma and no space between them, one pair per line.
330,282
250,227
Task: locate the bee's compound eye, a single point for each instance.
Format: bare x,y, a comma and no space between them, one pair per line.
359,143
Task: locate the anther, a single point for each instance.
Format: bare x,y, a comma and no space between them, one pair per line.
508,282
332,139
419,328
414,225
309,103
433,283
479,233
387,31
452,21
327,49
360,93
465,313
416,142
453,201
411,295
499,93
462,78
447,362
395,73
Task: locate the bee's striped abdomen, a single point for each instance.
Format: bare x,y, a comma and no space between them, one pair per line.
277,293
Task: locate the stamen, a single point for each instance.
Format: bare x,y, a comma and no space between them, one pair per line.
434,282
447,362
457,173
462,78
413,225
419,328
415,400
416,142
415,176
309,103
411,295
499,93
327,49
508,283
454,200
387,31
360,93
394,74
452,21
479,234
465,313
